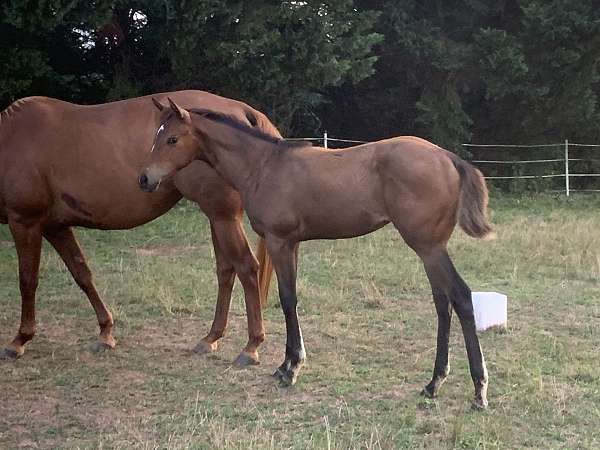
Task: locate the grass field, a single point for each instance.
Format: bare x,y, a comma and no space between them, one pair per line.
369,326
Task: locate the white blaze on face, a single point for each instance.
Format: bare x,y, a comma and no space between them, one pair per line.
161,128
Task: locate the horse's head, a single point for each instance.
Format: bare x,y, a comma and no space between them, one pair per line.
175,146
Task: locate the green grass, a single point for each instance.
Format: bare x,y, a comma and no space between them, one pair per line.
369,326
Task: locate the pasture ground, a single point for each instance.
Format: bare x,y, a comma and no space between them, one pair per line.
369,326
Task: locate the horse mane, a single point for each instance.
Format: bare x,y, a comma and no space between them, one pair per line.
13,107
233,122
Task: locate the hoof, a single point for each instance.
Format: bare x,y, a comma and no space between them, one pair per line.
479,404
100,347
428,393
246,360
8,354
286,378
204,347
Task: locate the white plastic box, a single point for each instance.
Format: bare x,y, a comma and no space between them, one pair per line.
490,310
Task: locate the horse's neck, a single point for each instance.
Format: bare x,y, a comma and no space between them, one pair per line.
240,157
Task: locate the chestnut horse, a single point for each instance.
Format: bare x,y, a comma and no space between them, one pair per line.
303,193
65,165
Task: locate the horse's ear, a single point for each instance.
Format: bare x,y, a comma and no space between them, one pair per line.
181,113
158,104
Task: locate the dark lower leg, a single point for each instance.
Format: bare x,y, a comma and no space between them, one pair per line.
441,367
445,279
28,241
460,297
295,354
284,257
464,311
64,242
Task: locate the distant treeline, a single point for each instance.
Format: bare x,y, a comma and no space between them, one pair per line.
509,71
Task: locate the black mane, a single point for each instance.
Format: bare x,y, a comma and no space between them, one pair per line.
239,125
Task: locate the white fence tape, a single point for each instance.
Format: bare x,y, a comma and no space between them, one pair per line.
566,145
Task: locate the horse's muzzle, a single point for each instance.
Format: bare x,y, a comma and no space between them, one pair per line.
145,184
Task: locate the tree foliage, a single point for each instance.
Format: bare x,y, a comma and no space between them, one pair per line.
511,71
279,56
483,70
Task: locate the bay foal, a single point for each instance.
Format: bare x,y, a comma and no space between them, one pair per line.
293,194
64,165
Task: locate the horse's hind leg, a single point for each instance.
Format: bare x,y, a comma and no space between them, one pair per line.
222,205
449,288
28,243
64,242
234,243
441,367
225,279
233,251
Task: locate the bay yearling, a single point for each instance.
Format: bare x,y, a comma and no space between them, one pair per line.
296,193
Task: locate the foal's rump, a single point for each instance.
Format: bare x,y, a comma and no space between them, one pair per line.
428,190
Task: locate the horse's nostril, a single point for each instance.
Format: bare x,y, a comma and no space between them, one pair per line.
143,180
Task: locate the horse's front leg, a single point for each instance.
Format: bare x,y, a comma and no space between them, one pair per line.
284,255
28,243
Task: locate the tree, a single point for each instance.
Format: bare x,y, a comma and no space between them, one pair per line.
41,48
421,70
521,71
279,56
540,76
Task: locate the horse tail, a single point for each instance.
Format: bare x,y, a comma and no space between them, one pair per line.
473,201
265,272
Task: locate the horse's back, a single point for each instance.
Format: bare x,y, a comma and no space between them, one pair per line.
49,119
238,109
417,161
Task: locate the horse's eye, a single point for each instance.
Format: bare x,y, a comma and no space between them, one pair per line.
172,140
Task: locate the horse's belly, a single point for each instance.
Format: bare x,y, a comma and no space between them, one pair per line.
113,212
341,225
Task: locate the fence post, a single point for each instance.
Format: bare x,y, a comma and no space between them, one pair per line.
567,166
325,139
